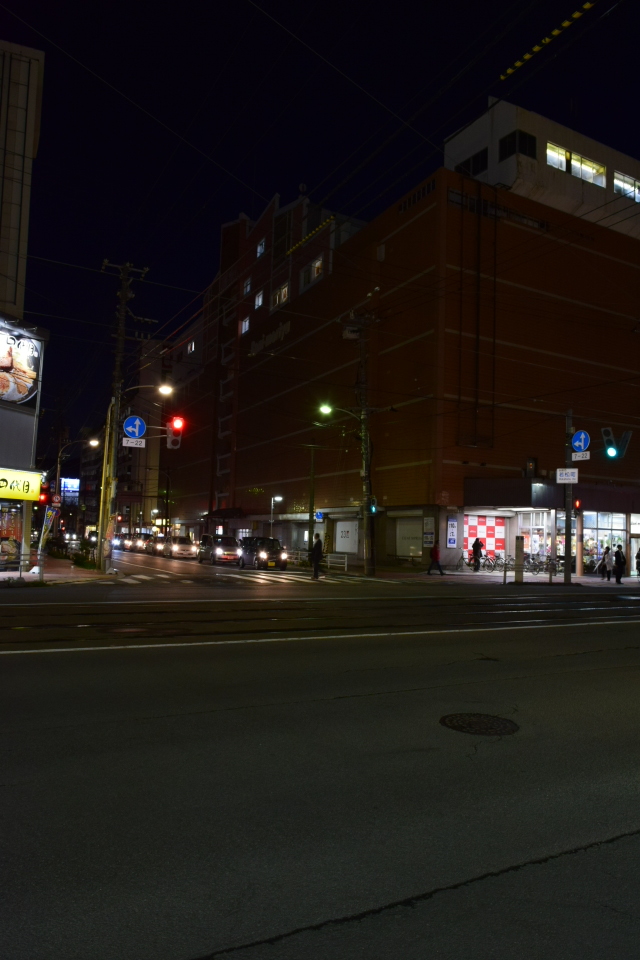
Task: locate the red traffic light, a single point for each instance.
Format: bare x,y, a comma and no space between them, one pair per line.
577,504
177,423
43,498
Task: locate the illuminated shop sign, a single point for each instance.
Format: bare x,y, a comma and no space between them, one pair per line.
19,485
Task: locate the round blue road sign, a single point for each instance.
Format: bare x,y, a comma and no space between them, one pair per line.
134,427
580,441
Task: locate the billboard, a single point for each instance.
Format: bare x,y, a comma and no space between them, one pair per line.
21,355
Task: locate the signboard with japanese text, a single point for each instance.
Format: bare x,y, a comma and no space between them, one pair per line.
19,485
567,475
452,531
428,531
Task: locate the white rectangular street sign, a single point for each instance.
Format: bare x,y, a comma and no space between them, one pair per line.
585,455
133,442
567,475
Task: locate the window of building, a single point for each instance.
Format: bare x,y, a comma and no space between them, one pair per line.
246,286
244,325
556,156
312,272
588,170
517,142
476,164
281,295
626,186
260,247
259,299
191,346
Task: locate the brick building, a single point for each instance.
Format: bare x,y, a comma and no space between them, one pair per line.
498,293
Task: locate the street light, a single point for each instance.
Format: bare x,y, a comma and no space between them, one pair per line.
361,414
92,443
273,500
109,484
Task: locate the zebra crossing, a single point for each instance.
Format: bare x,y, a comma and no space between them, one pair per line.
247,576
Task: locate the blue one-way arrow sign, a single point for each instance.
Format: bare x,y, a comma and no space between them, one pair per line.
134,427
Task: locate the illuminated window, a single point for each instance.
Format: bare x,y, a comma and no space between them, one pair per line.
246,286
244,325
626,186
312,272
191,347
588,170
280,296
556,157
260,248
259,299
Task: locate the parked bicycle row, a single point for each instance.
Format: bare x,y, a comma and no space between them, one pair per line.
498,563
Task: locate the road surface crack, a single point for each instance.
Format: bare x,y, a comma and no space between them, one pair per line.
417,898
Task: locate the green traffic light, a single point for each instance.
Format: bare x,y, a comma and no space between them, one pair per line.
612,452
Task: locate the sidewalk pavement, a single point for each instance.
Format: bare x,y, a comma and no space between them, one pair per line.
386,572
55,571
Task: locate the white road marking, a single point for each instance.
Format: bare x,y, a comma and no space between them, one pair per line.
130,581
328,636
186,581
165,575
141,576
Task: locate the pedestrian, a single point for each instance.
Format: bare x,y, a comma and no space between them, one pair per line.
619,563
638,563
476,547
608,562
316,556
435,559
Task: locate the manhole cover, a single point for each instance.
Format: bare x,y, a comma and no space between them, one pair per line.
480,723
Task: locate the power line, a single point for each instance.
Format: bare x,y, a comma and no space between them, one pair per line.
133,103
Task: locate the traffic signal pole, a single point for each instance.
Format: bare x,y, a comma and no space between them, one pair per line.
568,498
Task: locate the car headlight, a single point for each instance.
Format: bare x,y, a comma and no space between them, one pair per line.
174,547
283,556
139,543
239,552
219,551
194,547
116,543
159,546
263,555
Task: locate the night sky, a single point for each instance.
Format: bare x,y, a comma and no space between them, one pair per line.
111,181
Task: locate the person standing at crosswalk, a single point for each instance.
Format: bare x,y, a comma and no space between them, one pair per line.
316,556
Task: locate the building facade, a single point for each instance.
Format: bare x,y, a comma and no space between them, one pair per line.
495,296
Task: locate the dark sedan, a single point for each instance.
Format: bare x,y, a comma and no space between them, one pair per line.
263,553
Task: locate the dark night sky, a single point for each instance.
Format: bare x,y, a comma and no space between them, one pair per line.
109,181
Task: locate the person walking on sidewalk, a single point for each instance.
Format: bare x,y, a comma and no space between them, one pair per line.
476,547
619,563
316,556
435,559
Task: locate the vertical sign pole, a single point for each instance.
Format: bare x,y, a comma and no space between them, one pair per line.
568,498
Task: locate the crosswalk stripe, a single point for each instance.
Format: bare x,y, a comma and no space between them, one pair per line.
141,576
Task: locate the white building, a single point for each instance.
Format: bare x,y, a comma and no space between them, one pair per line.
513,148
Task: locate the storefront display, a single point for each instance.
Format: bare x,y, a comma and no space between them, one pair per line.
536,528
490,530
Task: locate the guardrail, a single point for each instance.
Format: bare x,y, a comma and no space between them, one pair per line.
336,560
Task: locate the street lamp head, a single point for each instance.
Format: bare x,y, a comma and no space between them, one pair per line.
165,389
94,443
277,499
326,409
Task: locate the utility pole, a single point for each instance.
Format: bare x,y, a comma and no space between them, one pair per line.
362,391
568,497
108,500
312,496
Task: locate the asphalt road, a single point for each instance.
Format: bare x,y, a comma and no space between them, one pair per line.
254,769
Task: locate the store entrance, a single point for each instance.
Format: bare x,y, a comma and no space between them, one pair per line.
632,564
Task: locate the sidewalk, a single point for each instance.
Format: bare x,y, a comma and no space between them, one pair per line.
395,572
55,571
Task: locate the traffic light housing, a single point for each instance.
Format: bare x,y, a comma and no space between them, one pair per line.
174,432
374,505
612,448
577,507
44,495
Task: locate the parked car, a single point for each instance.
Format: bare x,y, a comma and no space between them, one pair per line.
178,547
204,547
264,552
224,550
155,545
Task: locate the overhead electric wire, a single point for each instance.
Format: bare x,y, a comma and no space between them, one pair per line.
133,103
